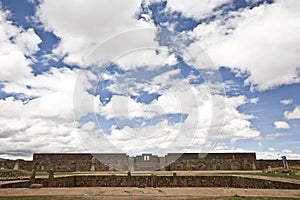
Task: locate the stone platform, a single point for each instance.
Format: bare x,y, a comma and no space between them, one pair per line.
160,179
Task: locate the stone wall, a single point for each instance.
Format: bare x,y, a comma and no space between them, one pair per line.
188,156
146,162
17,164
160,181
25,165
62,162
80,162
68,162
8,164
211,161
117,161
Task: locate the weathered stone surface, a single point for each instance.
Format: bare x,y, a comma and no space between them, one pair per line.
159,181
65,162
146,162
17,164
35,186
50,178
32,177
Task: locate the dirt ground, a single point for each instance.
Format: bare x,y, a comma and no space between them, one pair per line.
148,193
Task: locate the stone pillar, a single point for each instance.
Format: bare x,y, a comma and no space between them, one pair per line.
94,181
113,181
187,165
50,178
162,163
174,184
185,181
93,162
253,165
32,177
131,164
129,179
110,165
17,165
153,180
77,166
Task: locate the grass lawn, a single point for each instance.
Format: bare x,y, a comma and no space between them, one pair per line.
292,173
281,175
10,173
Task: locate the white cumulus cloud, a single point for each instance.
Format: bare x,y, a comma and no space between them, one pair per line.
281,125
17,46
254,41
193,8
81,26
295,114
286,101
38,116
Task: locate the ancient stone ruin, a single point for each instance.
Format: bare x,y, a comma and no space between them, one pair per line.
71,162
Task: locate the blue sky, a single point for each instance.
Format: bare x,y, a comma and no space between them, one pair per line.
150,76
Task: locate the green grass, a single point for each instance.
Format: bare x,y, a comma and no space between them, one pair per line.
292,173
10,173
242,198
281,175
